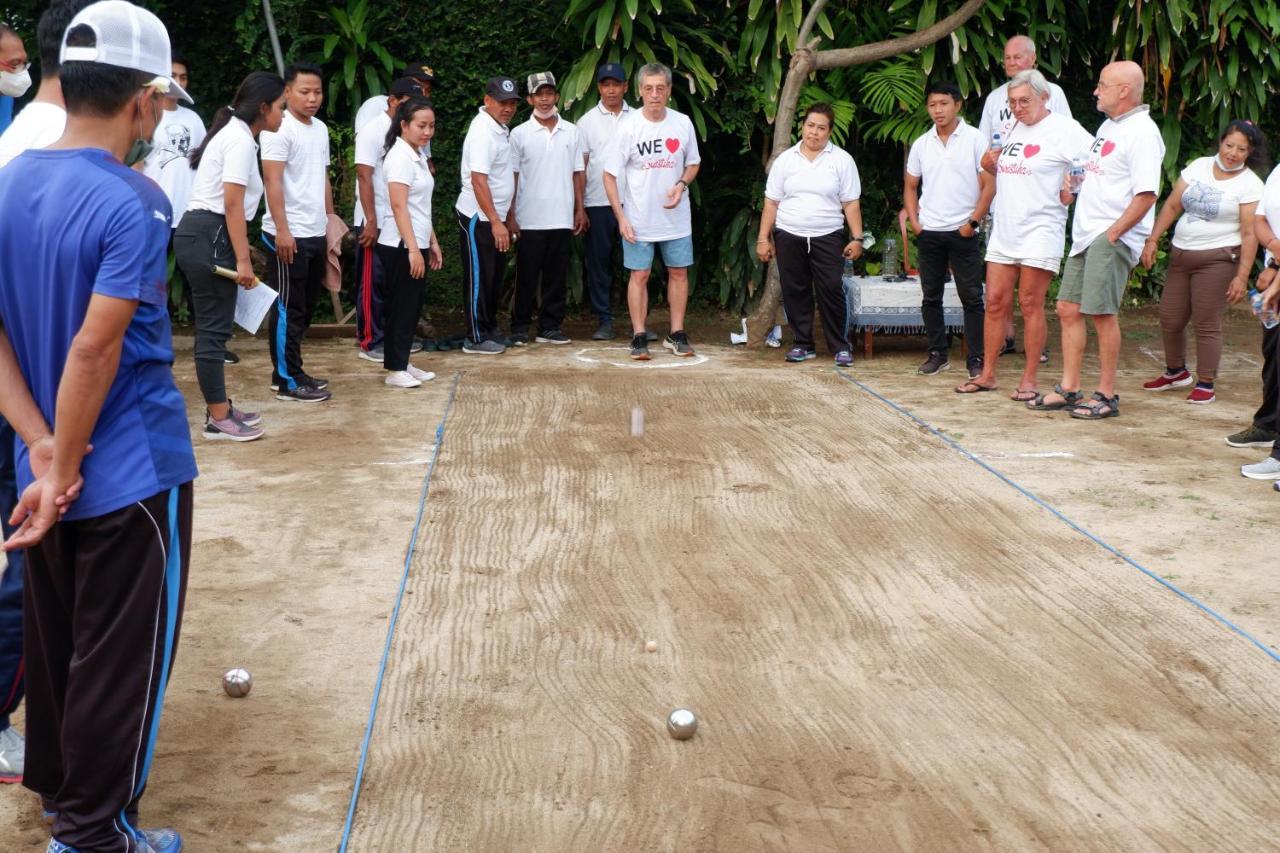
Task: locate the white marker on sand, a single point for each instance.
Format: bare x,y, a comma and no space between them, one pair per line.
637,422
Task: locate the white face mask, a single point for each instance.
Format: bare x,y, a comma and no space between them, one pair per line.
15,85
545,114
1218,160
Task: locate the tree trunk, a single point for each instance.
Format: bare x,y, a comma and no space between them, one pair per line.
805,61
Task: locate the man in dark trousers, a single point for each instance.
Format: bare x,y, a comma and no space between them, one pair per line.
87,348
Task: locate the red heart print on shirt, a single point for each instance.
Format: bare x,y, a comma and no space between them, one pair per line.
1031,150
673,145
1108,147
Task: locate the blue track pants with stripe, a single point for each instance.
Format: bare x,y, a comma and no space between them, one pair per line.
483,267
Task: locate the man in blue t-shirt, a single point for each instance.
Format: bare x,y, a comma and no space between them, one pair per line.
86,348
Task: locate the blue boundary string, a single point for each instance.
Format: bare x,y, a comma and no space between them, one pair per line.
959,448
395,616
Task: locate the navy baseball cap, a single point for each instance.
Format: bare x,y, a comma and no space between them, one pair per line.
502,89
419,70
406,87
611,71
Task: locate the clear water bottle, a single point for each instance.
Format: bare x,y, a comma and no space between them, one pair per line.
890,266
1075,176
996,141
848,269
1267,315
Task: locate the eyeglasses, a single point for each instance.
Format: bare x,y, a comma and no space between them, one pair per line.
1021,102
1102,85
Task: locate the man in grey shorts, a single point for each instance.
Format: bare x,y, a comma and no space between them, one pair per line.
1114,215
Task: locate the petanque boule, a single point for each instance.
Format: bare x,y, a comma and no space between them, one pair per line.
237,683
681,724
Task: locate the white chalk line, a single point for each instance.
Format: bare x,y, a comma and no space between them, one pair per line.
1048,454
1149,354
581,355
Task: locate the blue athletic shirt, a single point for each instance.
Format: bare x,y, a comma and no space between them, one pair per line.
74,223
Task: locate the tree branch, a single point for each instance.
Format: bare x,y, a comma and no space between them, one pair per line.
864,53
809,21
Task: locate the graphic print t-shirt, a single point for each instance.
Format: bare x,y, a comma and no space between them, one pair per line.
179,132
1124,160
1029,219
1211,208
652,156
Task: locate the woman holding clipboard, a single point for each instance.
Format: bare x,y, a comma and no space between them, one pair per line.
214,232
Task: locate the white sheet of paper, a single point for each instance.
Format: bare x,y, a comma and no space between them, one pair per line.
252,307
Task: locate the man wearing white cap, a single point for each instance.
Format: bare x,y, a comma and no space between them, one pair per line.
86,359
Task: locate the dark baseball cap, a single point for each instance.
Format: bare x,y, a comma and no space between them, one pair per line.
419,70
502,89
611,71
406,87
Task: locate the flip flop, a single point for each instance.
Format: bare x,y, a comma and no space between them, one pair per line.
1024,396
977,387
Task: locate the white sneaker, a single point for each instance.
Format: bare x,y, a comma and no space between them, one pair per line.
1267,469
774,338
13,749
402,379
420,375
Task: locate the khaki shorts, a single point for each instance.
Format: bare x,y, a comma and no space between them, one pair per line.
1050,264
1096,278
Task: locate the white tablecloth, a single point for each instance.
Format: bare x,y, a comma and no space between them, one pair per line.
894,306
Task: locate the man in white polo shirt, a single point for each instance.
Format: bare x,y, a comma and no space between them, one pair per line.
1115,211
488,185
957,194
546,157
295,175
597,130
656,156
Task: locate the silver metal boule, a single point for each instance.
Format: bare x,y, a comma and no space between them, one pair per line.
237,683
681,724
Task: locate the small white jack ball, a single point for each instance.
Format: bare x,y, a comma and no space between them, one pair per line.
237,683
651,646
681,724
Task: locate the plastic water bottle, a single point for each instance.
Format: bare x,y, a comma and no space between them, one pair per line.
995,141
848,269
1076,174
1267,315
889,265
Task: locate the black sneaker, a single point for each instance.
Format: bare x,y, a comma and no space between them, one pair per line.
605,332
934,364
314,381
640,347
650,336
974,366
304,394
518,339
678,343
228,357
1044,356
503,341
554,336
1253,436
1008,347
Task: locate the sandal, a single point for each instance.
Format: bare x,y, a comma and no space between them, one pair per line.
1021,396
974,387
1093,410
1070,400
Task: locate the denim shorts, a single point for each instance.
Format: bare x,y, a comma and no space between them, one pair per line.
675,253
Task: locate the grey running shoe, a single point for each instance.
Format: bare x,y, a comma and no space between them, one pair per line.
650,336
605,332
483,347
304,394
13,750
371,354
798,354
230,429
314,381
678,343
246,418
1253,436
416,346
640,347
519,339
552,336
1267,469
934,364
844,358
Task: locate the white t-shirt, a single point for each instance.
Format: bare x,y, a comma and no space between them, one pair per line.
369,110
1270,201
546,161
1028,217
370,141
39,125
304,150
231,157
1125,159
1211,208
597,131
949,175
179,133
487,150
996,114
652,155
405,166
811,194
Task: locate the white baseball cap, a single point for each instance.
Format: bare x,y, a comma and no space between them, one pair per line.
126,36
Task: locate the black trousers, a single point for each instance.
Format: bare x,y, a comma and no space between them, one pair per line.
939,250
371,294
542,267
483,267
103,608
1268,415
299,285
200,242
600,243
403,306
809,267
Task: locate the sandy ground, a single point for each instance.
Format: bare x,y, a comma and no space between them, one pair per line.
889,647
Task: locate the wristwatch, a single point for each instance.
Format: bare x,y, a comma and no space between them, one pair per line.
1273,264
975,224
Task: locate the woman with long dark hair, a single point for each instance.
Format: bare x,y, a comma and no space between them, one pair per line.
403,236
214,232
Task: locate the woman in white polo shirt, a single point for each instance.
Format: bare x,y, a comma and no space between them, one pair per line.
812,192
1029,224
400,242
225,197
1212,255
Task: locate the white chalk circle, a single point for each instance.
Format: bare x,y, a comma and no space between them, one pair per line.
625,361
